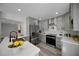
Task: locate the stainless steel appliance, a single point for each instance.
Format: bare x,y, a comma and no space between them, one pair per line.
34,33
51,39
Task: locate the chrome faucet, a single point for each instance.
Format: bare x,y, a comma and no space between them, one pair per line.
13,36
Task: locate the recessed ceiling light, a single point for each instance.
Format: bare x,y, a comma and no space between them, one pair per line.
56,12
19,9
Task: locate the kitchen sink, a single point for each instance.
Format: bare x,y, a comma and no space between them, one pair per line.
16,43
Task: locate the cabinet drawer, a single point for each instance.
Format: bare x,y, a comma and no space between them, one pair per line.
58,39
58,42
58,46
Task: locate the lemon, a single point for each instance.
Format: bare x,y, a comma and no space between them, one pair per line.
21,43
16,43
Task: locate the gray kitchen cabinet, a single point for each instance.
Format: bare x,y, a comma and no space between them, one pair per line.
63,22
40,25
66,21
0,28
36,22
52,23
43,38
43,25
75,16
59,23
58,42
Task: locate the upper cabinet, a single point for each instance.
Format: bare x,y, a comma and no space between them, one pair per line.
0,28
43,25
66,22
75,16
70,20
59,23
52,23
63,22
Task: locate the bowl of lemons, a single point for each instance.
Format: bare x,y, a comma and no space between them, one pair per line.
16,43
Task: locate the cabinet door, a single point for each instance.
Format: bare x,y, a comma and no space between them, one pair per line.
58,42
75,16
43,38
58,46
0,28
59,23
43,25
66,22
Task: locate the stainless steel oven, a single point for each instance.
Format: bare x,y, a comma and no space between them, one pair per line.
51,39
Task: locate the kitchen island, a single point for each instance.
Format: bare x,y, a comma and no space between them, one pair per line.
70,47
27,49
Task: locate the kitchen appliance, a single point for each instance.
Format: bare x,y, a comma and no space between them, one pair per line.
51,39
34,34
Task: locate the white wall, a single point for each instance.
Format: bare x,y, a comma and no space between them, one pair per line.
7,28
15,18
25,27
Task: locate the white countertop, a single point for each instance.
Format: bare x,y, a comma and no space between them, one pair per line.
69,40
22,36
47,33
43,33
69,47
53,33
27,49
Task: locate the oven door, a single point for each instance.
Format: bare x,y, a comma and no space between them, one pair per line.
51,40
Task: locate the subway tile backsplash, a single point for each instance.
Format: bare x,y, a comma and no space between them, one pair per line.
73,32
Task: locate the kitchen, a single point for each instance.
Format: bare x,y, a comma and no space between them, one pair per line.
53,31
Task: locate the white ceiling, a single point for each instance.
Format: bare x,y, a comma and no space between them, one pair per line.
37,10
3,20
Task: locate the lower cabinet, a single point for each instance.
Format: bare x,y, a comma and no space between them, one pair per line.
43,38
58,42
